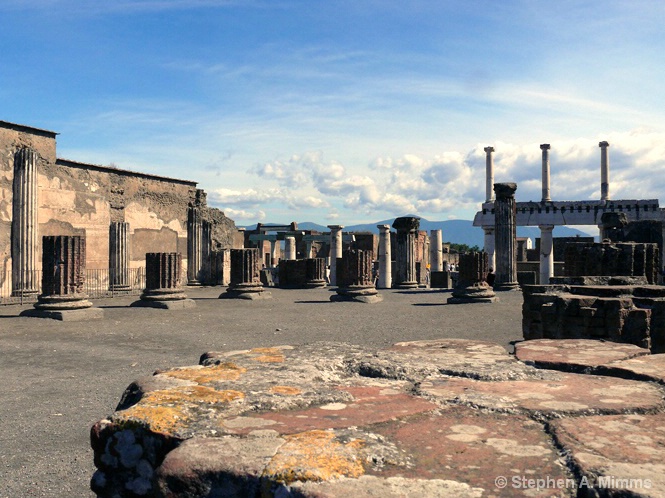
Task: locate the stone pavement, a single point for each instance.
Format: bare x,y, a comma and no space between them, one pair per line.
59,378
442,417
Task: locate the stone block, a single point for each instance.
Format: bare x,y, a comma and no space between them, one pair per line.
176,304
77,315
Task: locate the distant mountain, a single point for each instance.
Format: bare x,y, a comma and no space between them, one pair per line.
456,231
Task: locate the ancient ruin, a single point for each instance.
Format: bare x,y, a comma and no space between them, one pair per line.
472,286
505,244
354,278
405,252
245,279
163,288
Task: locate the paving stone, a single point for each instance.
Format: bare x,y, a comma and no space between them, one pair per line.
650,367
616,454
574,355
571,394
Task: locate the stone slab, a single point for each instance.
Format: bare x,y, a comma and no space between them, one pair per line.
176,304
367,299
81,315
618,455
651,367
248,296
472,300
574,355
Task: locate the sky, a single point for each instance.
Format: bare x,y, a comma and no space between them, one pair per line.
346,112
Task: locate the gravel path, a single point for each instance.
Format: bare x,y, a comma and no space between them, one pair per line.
58,378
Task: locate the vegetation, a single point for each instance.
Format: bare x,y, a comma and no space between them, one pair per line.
461,248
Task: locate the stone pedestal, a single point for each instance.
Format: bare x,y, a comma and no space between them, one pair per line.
194,245
335,250
407,232
385,258
25,243
505,237
162,282
245,276
355,278
119,257
315,273
290,248
63,277
472,286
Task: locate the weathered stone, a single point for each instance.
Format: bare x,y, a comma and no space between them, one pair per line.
162,284
405,252
650,367
245,276
619,455
472,286
505,237
354,278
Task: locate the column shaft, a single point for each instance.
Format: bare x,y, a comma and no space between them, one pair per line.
489,246
546,172
63,273
546,254
385,258
290,248
604,171
505,237
489,174
407,232
335,250
436,247
119,256
194,245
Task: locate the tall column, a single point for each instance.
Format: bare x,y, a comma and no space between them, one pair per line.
335,250
63,279
385,258
354,277
604,171
194,245
489,246
489,174
290,248
505,237
205,275
472,286
274,258
407,232
24,224
546,254
245,276
436,247
163,287
546,172
119,256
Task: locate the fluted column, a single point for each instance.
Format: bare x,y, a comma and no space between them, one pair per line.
315,273
489,174
407,228
194,245
245,276
385,258
604,171
472,286
546,172
290,248
436,247
546,254
335,250
505,237
205,275
354,278
119,256
25,244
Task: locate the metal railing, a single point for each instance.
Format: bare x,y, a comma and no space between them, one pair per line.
96,285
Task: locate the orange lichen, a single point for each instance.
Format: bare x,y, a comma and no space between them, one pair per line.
268,355
285,390
315,456
164,419
223,371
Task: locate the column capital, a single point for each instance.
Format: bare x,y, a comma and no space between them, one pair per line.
544,146
335,227
383,228
488,228
546,228
406,223
505,190
489,149
603,144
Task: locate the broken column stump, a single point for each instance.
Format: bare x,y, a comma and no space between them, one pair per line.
472,286
245,276
315,273
63,277
162,283
448,417
354,278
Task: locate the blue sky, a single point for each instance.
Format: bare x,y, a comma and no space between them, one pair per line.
346,111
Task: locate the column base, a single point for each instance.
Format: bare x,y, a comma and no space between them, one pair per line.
507,286
367,295
26,293
163,295
194,283
63,303
470,300
248,292
178,304
75,315
120,288
407,285
315,284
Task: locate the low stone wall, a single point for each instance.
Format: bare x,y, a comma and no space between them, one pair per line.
427,418
633,314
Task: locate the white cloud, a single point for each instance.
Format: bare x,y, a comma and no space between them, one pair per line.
245,198
242,215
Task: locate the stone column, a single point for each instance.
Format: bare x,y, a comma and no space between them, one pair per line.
245,276
290,248
315,273
163,287
119,256
63,278
489,246
489,174
354,276
472,286
505,237
604,171
385,258
335,250
24,224
436,247
194,245
274,258
309,250
546,254
407,232
205,275
546,172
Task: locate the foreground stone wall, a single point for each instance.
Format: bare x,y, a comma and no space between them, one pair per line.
419,419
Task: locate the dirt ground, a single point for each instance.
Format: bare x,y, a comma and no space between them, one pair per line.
58,378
